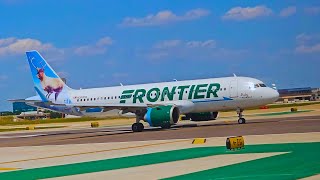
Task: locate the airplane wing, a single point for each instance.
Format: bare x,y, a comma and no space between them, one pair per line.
122,106
23,100
92,105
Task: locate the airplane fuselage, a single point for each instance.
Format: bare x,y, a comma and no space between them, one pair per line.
191,96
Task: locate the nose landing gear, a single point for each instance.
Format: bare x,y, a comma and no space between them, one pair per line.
241,120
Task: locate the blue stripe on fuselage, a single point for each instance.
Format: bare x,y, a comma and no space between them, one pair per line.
212,100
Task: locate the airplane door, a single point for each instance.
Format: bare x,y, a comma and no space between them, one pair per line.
233,88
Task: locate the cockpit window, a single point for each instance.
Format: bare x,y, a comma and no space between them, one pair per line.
260,85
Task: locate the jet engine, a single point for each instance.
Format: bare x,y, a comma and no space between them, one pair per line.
163,116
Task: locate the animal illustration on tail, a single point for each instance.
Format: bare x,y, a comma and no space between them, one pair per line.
49,84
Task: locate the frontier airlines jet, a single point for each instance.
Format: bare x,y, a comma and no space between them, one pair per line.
158,104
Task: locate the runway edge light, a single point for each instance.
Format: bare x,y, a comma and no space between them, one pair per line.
199,141
233,143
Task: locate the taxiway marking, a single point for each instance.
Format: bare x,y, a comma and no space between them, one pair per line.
92,152
180,167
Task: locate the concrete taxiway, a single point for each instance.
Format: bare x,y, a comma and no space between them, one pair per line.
117,153
124,134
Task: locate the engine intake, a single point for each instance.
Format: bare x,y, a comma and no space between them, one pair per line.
163,116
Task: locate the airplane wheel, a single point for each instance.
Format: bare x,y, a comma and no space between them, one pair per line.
241,121
137,127
141,126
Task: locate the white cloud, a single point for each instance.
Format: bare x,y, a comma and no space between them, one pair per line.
315,10
208,44
105,41
164,17
169,48
307,43
13,46
247,13
289,11
301,38
100,47
3,77
308,49
156,55
167,44
170,44
7,41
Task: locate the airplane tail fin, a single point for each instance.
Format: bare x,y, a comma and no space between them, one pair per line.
46,80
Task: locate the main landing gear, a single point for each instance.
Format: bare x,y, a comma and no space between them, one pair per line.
138,126
241,120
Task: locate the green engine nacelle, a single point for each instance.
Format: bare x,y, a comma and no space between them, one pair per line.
163,116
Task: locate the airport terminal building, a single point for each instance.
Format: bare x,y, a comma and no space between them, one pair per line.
299,94
19,107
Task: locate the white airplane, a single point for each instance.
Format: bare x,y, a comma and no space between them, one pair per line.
158,104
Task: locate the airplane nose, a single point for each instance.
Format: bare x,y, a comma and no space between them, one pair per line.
273,94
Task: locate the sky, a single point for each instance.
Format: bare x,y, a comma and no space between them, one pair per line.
104,43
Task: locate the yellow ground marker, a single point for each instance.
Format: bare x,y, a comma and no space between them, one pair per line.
235,142
294,109
30,128
7,169
199,141
95,124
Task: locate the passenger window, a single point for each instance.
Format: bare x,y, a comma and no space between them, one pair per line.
225,89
